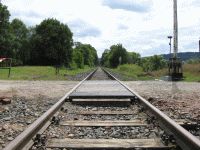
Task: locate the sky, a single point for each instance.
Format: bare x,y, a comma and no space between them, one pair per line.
139,25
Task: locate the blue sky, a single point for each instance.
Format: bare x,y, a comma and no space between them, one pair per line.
140,25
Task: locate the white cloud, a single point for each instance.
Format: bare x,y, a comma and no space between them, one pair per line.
141,26
129,5
82,29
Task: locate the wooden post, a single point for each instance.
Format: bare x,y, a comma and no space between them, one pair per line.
10,67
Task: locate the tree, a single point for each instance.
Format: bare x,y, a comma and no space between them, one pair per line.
19,43
134,58
118,55
77,58
105,58
51,44
89,54
157,62
153,63
5,36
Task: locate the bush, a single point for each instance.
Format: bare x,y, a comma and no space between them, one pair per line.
153,63
17,62
73,66
131,70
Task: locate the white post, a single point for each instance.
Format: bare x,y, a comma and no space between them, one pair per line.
175,29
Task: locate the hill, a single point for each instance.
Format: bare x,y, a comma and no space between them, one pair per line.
184,55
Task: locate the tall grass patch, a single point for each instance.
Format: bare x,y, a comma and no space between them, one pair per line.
132,71
40,73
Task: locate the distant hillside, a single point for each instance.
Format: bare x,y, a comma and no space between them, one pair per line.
184,55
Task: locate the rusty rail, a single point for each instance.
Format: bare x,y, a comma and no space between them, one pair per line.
184,139
21,140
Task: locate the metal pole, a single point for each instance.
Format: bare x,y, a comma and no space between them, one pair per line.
170,43
199,49
199,46
175,29
170,46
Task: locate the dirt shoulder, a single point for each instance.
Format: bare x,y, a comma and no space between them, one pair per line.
29,100
176,99
32,89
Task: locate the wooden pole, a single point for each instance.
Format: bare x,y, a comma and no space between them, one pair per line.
10,67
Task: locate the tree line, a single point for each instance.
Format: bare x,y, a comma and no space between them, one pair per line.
118,55
49,43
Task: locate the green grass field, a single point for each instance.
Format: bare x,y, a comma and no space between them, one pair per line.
39,73
191,72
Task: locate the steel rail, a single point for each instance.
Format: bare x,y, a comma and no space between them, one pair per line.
184,139
21,140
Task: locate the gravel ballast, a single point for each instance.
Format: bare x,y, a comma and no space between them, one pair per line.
30,99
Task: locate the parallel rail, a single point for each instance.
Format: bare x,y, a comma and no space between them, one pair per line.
184,139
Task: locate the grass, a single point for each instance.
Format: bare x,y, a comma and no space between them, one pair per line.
39,73
132,72
191,72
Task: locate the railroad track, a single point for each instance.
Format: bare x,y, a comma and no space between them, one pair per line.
103,113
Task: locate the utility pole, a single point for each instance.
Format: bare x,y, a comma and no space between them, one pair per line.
175,29
199,45
175,63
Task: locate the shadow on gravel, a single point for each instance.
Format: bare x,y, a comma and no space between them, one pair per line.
108,103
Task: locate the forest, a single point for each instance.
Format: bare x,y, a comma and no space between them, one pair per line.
48,44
